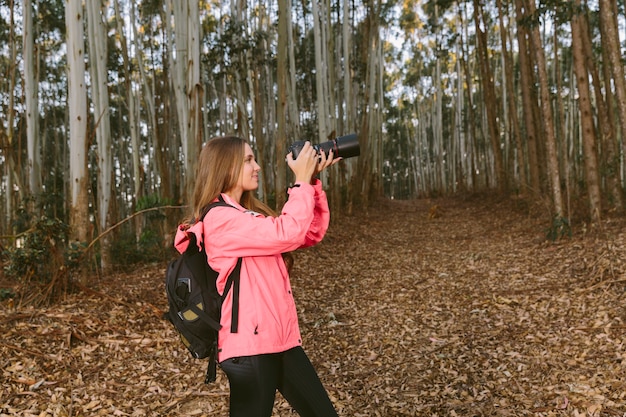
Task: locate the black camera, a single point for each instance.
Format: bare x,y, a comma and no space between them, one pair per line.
343,147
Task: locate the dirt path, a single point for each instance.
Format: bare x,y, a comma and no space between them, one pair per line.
427,308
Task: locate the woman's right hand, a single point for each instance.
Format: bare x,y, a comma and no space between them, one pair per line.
305,164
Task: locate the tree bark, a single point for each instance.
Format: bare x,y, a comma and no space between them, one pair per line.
100,97
586,115
611,46
548,119
491,105
529,99
77,103
31,92
282,105
610,164
511,99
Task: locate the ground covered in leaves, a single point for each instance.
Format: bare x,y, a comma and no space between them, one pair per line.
451,307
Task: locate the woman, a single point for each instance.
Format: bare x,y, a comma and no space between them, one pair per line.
265,354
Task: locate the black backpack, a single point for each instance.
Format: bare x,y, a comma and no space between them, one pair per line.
195,305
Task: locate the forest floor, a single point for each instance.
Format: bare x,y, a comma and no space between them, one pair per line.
443,307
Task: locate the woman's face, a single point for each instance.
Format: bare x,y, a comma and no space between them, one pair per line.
249,176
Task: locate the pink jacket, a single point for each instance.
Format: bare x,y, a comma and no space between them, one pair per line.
268,321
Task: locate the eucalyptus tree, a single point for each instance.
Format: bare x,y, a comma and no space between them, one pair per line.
510,101
131,97
588,129
183,44
98,58
547,116
530,102
366,182
77,104
611,45
325,119
285,95
610,161
31,93
8,137
488,89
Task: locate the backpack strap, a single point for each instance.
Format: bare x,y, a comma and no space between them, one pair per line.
233,281
233,277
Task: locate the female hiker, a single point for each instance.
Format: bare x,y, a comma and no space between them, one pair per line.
265,353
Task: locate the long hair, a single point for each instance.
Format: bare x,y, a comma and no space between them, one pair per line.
219,165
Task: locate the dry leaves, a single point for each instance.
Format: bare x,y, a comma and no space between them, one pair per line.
467,313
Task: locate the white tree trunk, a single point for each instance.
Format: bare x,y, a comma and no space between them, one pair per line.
195,94
321,72
100,97
178,57
350,108
77,103
31,87
131,99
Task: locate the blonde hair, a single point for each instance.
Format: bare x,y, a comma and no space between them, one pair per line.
219,165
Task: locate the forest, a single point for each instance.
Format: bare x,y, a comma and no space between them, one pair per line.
106,104
492,141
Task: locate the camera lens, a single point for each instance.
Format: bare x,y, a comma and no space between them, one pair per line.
343,147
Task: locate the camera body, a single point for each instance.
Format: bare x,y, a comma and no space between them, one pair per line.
343,147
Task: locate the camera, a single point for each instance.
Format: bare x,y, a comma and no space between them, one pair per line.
343,147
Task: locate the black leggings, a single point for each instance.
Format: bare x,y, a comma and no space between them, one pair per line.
255,379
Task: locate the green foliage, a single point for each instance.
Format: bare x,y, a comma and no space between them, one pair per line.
128,251
6,293
36,250
152,200
559,229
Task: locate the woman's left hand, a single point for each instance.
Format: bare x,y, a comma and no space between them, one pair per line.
324,162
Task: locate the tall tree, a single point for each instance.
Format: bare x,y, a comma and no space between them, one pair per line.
610,162
31,92
178,53
529,96
547,117
511,102
97,37
77,103
321,68
586,112
611,43
282,81
488,88
370,164
195,92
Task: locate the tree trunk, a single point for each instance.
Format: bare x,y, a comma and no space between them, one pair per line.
548,119
321,71
611,46
511,99
491,105
133,119
77,103
529,100
586,115
282,65
469,148
195,93
610,164
100,97
31,92
178,55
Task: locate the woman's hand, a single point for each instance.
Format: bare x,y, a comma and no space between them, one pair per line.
305,165
324,162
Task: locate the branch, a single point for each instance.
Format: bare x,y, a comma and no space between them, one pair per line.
127,219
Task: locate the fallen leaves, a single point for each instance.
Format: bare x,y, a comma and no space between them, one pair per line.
467,313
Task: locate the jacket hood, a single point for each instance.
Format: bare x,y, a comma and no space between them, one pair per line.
184,231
